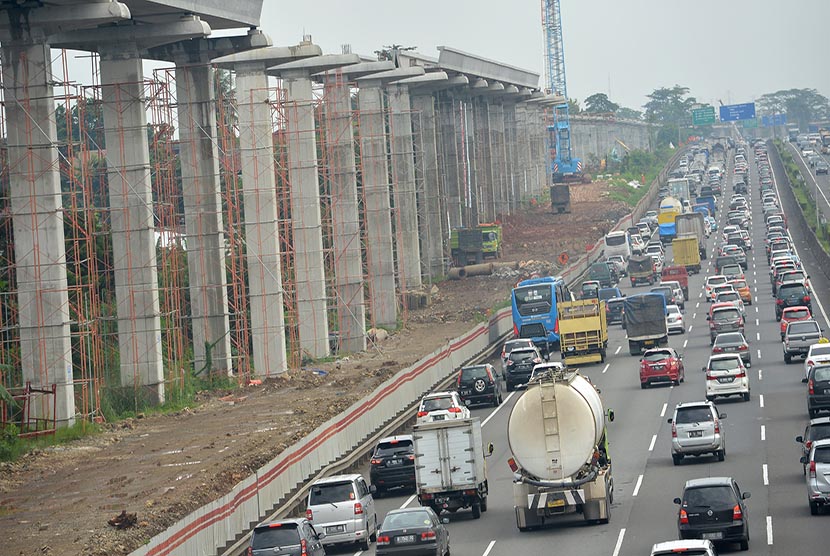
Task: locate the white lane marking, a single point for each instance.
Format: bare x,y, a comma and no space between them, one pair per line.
690,327
618,350
653,441
756,309
358,553
606,367
685,343
694,315
489,548
663,411
759,354
763,432
619,542
757,322
758,336
760,374
769,530
761,400
637,486
504,401
697,305
699,296
408,501
765,471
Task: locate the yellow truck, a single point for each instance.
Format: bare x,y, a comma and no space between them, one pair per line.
473,245
687,253
583,331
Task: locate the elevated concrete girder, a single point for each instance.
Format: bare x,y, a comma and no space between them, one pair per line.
56,18
309,275
143,37
471,64
219,14
202,51
356,71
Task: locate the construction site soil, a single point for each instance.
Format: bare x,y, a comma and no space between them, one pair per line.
59,500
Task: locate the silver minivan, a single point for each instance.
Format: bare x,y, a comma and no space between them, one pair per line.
342,507
696,430
818,475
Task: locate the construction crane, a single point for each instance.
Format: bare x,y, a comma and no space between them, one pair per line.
564,167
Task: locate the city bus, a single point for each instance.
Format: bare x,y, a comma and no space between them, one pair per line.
535,314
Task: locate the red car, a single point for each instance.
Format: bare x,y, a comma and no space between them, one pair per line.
791,314
661,365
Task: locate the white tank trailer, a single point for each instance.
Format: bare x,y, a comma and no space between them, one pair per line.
557,435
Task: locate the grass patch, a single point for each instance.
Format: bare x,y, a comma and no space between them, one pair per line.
12,446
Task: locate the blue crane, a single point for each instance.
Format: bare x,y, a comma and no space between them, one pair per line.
564,167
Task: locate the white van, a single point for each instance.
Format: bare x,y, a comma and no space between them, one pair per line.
618,243
342,507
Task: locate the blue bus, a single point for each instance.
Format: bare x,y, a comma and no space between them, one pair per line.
534,311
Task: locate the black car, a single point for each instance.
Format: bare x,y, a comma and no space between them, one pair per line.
393,464
479,384
614,311
791,295
713,508
292,537
818,389
520,365
413,531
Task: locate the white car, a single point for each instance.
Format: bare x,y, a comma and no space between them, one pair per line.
658,263
678,292
818,353
674,319
687,546
712,282
441,406
726,376
724,295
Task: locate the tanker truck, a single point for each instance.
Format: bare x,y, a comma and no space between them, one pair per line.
560,461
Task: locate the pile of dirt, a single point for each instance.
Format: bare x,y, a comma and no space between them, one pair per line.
160,468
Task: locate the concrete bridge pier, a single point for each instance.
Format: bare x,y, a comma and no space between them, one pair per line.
451,156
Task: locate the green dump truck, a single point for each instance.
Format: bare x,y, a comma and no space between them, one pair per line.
473,245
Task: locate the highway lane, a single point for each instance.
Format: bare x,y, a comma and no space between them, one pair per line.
761,453
816,183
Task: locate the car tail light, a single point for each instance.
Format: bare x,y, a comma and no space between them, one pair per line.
741,374
808,444
250,551
743,348
717,426
309,515
806,299
813,469
556,327
809,363
810,387
779,301
383,540
358,508
673,431
428,535
510,362
717,349
537,360
426,496
454,410
516,330
303,548
458,380
737,514
411,457
376,461
684,518
423,413
710,376
513,466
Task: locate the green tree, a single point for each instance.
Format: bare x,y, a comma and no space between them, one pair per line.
598,103
573,106
801,106
629,113
669,105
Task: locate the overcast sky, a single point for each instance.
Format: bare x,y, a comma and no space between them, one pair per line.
732,50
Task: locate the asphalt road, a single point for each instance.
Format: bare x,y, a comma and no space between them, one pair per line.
761,453
818,184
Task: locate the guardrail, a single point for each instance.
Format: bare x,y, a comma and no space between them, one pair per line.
214,525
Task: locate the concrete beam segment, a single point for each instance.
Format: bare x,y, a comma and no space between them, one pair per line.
463,62
433,79
256,145
430,223
377,212
345,216
317,64
37,217
142,37
220,14
204,225
201,51
261,58
391,76
132,222
57,18
498,157
361,69
404,187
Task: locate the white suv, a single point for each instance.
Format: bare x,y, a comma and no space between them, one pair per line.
818,475
442,406
726,376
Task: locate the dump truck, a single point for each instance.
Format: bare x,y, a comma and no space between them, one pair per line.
670,207
473,245
450,473
687,253
559,444
560,198
641,270
692,224
678,274
645,321
583,331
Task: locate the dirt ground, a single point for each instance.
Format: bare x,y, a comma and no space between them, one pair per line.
58,501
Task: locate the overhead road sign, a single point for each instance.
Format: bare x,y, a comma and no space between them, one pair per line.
735,112
703,116
773,120
749,124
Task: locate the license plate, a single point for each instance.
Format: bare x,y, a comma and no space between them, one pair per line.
649,343
658,367
556,503
465,392
713,536
404,539
695,434
335,529
437,417
726,380
393,462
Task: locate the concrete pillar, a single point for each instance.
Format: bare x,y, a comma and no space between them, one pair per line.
309,272
483,162
203,217
537,123
498,157
470,178
524,170
132,222
403,187
377,211
348,262
512,156
431,223
37,218
256,146
450,158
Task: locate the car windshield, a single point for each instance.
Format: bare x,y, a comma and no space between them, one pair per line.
820,349
331,493
730,338
673,310
433,404
285,534
517,344
652,356
481,372
793,277
821,374
714,497
394,448
687,415
805,327
716,280
723,315
406,520
723,364
822,454
739,284
819,432
728,296
520,356
799,314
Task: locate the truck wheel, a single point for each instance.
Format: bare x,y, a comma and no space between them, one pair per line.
602,356
676,459
483,504
476,511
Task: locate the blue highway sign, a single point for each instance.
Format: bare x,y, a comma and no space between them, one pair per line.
735,112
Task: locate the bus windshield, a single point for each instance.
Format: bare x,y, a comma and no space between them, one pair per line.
532,300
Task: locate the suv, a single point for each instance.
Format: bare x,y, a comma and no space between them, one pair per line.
733,342
818,478
509,346
696,430
661,365
342,507
713,509
798,337
791,295
818,389
816,429
724,319
614,311
679,294
520,366
441,406
478,384
393,463
726,376
292,537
